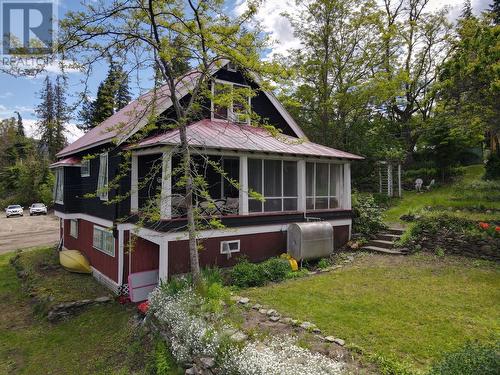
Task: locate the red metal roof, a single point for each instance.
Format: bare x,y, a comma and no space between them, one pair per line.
131,118
67,162
230,136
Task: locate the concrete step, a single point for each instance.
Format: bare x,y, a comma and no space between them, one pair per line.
382,250
397,231
388,236
381,243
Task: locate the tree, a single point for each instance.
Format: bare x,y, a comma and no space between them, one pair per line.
86,114
52,114
495,11
413,44
147,30
333,65
123,96
20,127
104,104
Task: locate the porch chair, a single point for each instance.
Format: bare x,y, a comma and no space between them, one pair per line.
232,206
431,184
418,184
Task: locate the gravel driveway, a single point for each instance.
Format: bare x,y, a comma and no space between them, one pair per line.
27,231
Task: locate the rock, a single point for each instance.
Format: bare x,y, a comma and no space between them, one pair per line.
295,322
229,331
207,362
263,311
307,325
239,337
257,306
235,298
350,258
272,312
244,300
274,318
316,330
339,342
191,371
287,320
103,299
330,339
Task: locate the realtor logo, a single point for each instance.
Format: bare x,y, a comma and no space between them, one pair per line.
27,27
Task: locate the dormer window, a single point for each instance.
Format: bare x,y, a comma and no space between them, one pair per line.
231,67
231,102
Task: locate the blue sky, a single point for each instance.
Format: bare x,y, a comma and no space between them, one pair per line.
21,93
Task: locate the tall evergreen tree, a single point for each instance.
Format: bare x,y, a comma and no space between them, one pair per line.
495,11
52,113
104,104
20,127
86,114
123,96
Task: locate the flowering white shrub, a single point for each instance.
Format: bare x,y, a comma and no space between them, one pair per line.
278,357
190,335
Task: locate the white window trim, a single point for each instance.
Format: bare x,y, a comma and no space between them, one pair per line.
229,252
231,67
282,197
57,186
71,233
230,111
104,230
102,191
328,197
85,162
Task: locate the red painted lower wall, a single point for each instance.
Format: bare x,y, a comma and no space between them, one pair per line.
144,255
104,263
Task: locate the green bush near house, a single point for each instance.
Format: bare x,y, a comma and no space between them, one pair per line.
472,359
367,214
245,274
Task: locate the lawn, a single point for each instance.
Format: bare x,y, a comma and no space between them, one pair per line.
412,309
98,341
468,192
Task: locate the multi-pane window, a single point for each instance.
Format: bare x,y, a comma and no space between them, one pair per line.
102,181
85,168
103,240
231,102
59,186
276,181
323,182
73,228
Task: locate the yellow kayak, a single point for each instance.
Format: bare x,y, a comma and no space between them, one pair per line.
74,261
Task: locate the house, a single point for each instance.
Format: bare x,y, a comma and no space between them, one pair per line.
299,180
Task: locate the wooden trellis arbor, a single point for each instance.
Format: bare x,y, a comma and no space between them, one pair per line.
389,173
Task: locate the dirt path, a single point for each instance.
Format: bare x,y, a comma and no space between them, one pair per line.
27,231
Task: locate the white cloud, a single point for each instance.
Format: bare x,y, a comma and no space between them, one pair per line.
71,131
6,95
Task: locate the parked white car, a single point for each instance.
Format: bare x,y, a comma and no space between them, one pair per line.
38,209
14,210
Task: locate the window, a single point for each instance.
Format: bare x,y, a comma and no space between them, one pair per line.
102,182
321,185
59,186
73,228
276,180
229,247
231,67
231,102
85,168
104,240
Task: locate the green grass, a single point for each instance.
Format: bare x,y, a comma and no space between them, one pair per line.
48,279
98,341
412,309
469,192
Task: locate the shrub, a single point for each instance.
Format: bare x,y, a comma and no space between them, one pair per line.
472,359
323,263
493,167
275,269
245,274
367,214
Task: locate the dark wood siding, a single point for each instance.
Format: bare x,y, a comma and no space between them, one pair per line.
144,256
104,263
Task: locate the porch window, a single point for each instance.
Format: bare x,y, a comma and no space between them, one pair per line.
321,185
276,180
59,186
231,102
102,181
104,241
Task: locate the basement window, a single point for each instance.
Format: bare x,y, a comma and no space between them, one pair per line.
229,247
73,228
104,241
